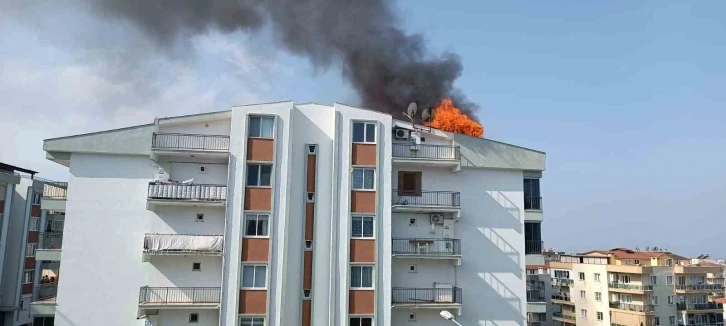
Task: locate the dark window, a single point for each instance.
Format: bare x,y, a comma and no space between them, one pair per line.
261,127
257,224
259,174
193,318
196,266
532,198
364,132
533,231
361,321
409,183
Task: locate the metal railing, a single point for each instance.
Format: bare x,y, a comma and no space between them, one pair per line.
696,287
180,191
426,295
45,292
563,316
428,152
561,297
426,247
699,306
628,286
632,307
425,198
532,203
173,141
58,190
51,240
536,295
174,244
562,281
532,247
171,295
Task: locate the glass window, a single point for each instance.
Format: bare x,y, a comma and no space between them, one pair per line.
583,313
597,277
28,277
582,295
34,224
30,249
599,315
582,276
254,276
361,321
252,321
670,299
364,132
654,300
257,225
531,187
657,320
363,179
36,198
361,276
669,280
598,296
259,175
654,280
261,127
362,227
672,320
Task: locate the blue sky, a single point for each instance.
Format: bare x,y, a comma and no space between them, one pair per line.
627,98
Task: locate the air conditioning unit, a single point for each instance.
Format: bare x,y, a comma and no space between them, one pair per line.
437,218
403,133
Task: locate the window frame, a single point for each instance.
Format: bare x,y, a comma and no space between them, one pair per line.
364,169
583,313
581,276
596,276
600,316
33,224
28,276
361,287
254,277
253,318
669,280
365,132
257,217
30,252
671,300
360,317
190,318
598,296
259,174
653,280
417,190
671,320
36,198
260,118
583,294
362,217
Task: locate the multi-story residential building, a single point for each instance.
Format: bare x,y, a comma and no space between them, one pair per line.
20,194
293,214
627,287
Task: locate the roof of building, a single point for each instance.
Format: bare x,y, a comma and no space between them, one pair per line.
13,168
626,253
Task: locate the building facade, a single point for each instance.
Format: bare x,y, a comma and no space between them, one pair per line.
290,214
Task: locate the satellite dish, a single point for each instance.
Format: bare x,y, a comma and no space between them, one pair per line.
426,114
412,108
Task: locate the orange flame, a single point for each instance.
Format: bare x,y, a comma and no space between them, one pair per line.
449,118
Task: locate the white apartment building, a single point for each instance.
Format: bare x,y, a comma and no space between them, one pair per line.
291,214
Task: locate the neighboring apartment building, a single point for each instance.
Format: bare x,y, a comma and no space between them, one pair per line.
627,287
20,210
292,214
539,307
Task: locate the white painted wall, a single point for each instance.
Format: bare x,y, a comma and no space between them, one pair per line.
181,317
215,173
427,273
166,271
662,291
590,287
214,127
183,220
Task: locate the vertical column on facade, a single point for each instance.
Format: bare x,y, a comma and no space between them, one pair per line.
257,217
310,183
363,199
29,269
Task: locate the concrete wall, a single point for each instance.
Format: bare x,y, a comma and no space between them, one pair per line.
215,173
177,272
183,220
590,286
181,317
213,127
662,291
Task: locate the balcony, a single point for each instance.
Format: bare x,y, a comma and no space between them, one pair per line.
629,288
425,201
565,318
562,281
532,247
713,306
183,297
536,294
699,288
426,298
50,247
632,307
182,245
54,196
562,299
174,144
44,300
408,154
532,203
427,248
184,194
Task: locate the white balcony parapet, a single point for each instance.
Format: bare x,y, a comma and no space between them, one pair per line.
182,191
183,244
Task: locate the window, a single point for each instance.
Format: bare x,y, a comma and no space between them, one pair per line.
312,149
33,224
361,227
669,262
627,262
654,280
672,320
202,169
582,276
412,268
411,317
308,245
256,225
30,249
670,299
582,295
252,321
583,313
258,175
409,183
364,179
261,127
361,321
254,276
361,276
364,132
200,218
306,294
193,318
626,298
599,315
196,267
598,296
412,221
654,300
28,276
669,280
637,262
625,279
311,197
36,198
597,277
657,320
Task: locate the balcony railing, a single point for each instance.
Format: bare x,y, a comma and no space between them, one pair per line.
699,306
536,295
179,191
189,142
532,203
425,198
179,244
170,295
426,152
561,297
698,287
633,287
426,247
532,247
562,281
631,307
55,190
426,295
563,316
45,292
51,240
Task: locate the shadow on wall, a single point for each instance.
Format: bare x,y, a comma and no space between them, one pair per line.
474,152
508,210
505,247
65,321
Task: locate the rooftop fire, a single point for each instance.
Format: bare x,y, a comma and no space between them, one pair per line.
447,117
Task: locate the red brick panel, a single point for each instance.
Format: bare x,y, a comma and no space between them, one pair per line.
253,302
255,249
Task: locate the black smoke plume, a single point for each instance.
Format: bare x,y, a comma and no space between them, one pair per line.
387,67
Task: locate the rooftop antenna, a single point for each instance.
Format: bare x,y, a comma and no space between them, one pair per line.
411,112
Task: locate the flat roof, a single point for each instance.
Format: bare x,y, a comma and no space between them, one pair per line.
8,167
